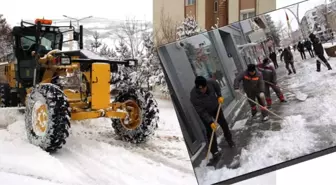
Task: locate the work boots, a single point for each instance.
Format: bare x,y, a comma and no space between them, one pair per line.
231,144
318,66
328,66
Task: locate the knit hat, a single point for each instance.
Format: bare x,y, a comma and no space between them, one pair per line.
312,36
251,68
200,82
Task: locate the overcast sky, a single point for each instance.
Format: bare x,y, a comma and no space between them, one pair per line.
303,7
15,10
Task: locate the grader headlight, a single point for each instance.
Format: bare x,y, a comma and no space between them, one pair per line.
65,60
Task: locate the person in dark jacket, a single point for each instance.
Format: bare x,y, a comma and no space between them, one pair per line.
289,60
254,88
270,79
301,49
319,52
273,57
308,46
205,97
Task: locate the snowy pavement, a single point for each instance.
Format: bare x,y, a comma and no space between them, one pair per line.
93,155
310,126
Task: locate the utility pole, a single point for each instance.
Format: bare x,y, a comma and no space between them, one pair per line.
296,16
77,21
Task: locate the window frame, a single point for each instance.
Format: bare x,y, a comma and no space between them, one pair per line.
216,6
190,2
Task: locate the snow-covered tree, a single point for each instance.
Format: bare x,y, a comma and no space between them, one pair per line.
189,27
107,52
5,37
274,31
123,51
96,41
131,34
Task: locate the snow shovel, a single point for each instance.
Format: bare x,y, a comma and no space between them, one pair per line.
298,95
213,133
276,115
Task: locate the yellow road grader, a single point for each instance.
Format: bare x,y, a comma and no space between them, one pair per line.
55,87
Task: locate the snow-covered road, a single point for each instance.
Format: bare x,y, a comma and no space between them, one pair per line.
310,125
92,155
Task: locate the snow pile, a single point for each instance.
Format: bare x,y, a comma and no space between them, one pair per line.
93,155
272,148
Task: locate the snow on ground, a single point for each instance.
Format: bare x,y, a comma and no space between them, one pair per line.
310,126
92,155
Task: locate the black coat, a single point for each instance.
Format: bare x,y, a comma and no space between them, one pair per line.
308,45
318,48
300,47
287,56
273,56
206,104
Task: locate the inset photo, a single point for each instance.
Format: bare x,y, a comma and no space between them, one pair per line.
254,94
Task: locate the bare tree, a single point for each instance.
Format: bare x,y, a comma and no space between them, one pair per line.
166,30
280,29
322,17
96,41
131,33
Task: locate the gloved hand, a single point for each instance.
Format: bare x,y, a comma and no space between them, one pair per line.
220,100
262,95
213,126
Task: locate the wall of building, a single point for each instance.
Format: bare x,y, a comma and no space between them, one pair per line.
247,4
264,6
200,9
172,8
233,11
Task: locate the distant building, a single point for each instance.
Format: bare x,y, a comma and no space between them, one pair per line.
207,12
315,22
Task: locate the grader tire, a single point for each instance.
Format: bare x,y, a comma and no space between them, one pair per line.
149,115
47,117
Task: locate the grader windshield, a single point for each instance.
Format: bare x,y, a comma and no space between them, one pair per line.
49,41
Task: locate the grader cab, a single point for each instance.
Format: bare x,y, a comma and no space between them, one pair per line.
56,86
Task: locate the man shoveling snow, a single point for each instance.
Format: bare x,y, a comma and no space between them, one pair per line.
206,97
254,88
270,79
319,51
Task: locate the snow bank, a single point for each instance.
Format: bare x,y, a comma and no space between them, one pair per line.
15,179
93,155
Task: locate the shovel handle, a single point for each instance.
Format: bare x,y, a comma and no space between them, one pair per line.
213,133
263,107
279,87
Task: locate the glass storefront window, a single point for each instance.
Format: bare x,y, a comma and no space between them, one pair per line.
204,61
